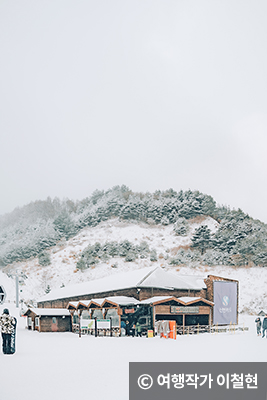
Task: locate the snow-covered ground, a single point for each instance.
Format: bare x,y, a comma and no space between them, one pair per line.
64,366
253,280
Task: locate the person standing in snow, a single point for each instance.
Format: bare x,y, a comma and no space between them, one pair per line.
138,329
264,325
127,328
7,324
258,325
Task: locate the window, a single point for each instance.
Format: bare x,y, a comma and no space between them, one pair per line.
85,314
75,318
36,321
54,320
97,314
113,315
29,321
142,321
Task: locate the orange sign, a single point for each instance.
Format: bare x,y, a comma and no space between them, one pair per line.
129,310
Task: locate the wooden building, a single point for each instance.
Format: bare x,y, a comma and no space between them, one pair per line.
48,320
141,284
185,311
111,308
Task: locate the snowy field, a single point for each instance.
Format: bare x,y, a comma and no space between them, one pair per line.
64,366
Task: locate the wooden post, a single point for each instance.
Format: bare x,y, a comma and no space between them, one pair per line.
154,318
95,327
183,323
79,318
198,328
71,317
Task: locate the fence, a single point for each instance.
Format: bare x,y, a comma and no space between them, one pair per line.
196,329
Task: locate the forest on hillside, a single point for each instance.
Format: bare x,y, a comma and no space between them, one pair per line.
30,230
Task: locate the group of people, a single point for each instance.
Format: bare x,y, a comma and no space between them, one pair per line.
261,326
132,330
8,329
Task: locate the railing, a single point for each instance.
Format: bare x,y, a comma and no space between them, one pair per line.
186,330
196,329
192,329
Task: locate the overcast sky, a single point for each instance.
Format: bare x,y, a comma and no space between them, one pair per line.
151,94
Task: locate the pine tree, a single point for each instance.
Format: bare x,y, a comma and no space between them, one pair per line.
181,227
130,256
64,225
153,255
202,238
44,259
48,289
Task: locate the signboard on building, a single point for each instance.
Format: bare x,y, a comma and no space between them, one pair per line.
103,323
87,323
129,310
225,302
90,323
184,310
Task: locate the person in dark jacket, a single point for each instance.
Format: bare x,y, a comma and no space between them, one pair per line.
127,328
264,325
7,323
258,325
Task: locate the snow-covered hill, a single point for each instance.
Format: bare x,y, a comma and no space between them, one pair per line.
64,256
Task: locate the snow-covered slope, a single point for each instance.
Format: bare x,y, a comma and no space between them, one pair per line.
64,256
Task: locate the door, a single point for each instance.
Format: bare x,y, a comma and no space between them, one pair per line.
54,324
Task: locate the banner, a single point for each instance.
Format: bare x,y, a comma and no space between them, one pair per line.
225,303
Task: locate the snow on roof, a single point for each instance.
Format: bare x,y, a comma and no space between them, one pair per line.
164,279
84,302
114,282
49,311
145,277
73,303
155,299
187,299
98,301
123,300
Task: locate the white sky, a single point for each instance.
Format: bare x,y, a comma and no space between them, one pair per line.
151,94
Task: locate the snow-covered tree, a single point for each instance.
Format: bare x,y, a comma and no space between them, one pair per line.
202,238
64,225
44,258
181,227
153,255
